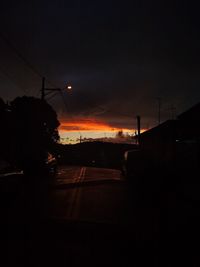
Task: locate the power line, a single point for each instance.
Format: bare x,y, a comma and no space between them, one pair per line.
34,70
16,51
159,109
11,79
172,110
52,96
65,104
67,109
22,57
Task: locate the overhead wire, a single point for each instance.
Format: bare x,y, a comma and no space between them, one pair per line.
34,70
13,48
23,58
66,105
67,109
12,81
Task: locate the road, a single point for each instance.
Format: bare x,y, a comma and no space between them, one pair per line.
89,216
88,194
109,222
98,220
87,219
80,174
82,194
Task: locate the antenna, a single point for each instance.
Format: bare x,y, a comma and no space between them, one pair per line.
159,109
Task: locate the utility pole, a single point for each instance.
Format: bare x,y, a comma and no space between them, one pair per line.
43,89
173,112
159,109
47,91
138,128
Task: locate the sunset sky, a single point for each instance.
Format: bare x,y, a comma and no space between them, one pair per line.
120,58
88,128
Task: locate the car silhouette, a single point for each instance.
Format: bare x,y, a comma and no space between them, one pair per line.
41,166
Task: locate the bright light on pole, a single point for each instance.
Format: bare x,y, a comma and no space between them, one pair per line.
46,91
69,87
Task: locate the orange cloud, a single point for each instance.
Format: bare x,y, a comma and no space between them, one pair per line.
87,125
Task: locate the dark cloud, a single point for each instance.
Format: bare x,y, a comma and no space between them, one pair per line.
119,57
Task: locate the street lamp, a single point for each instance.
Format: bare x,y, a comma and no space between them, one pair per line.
47,91
69,87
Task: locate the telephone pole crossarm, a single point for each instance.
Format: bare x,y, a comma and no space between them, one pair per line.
47,91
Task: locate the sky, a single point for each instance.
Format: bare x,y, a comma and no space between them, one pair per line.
119,57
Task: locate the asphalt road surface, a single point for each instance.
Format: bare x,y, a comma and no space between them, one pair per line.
98,220
88,194
94,217
85,218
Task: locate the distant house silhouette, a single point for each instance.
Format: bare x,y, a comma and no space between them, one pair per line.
189,124
159,143
175,143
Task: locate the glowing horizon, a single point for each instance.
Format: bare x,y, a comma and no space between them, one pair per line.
90,128
89,125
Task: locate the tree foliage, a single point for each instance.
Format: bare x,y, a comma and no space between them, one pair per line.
120,134
30,128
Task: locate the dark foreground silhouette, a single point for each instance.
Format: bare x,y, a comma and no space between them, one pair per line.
163,200
166,231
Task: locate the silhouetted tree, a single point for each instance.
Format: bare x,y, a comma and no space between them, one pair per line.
35,129
120,134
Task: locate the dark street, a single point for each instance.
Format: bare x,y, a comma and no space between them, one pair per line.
94,216
99,133
85,211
